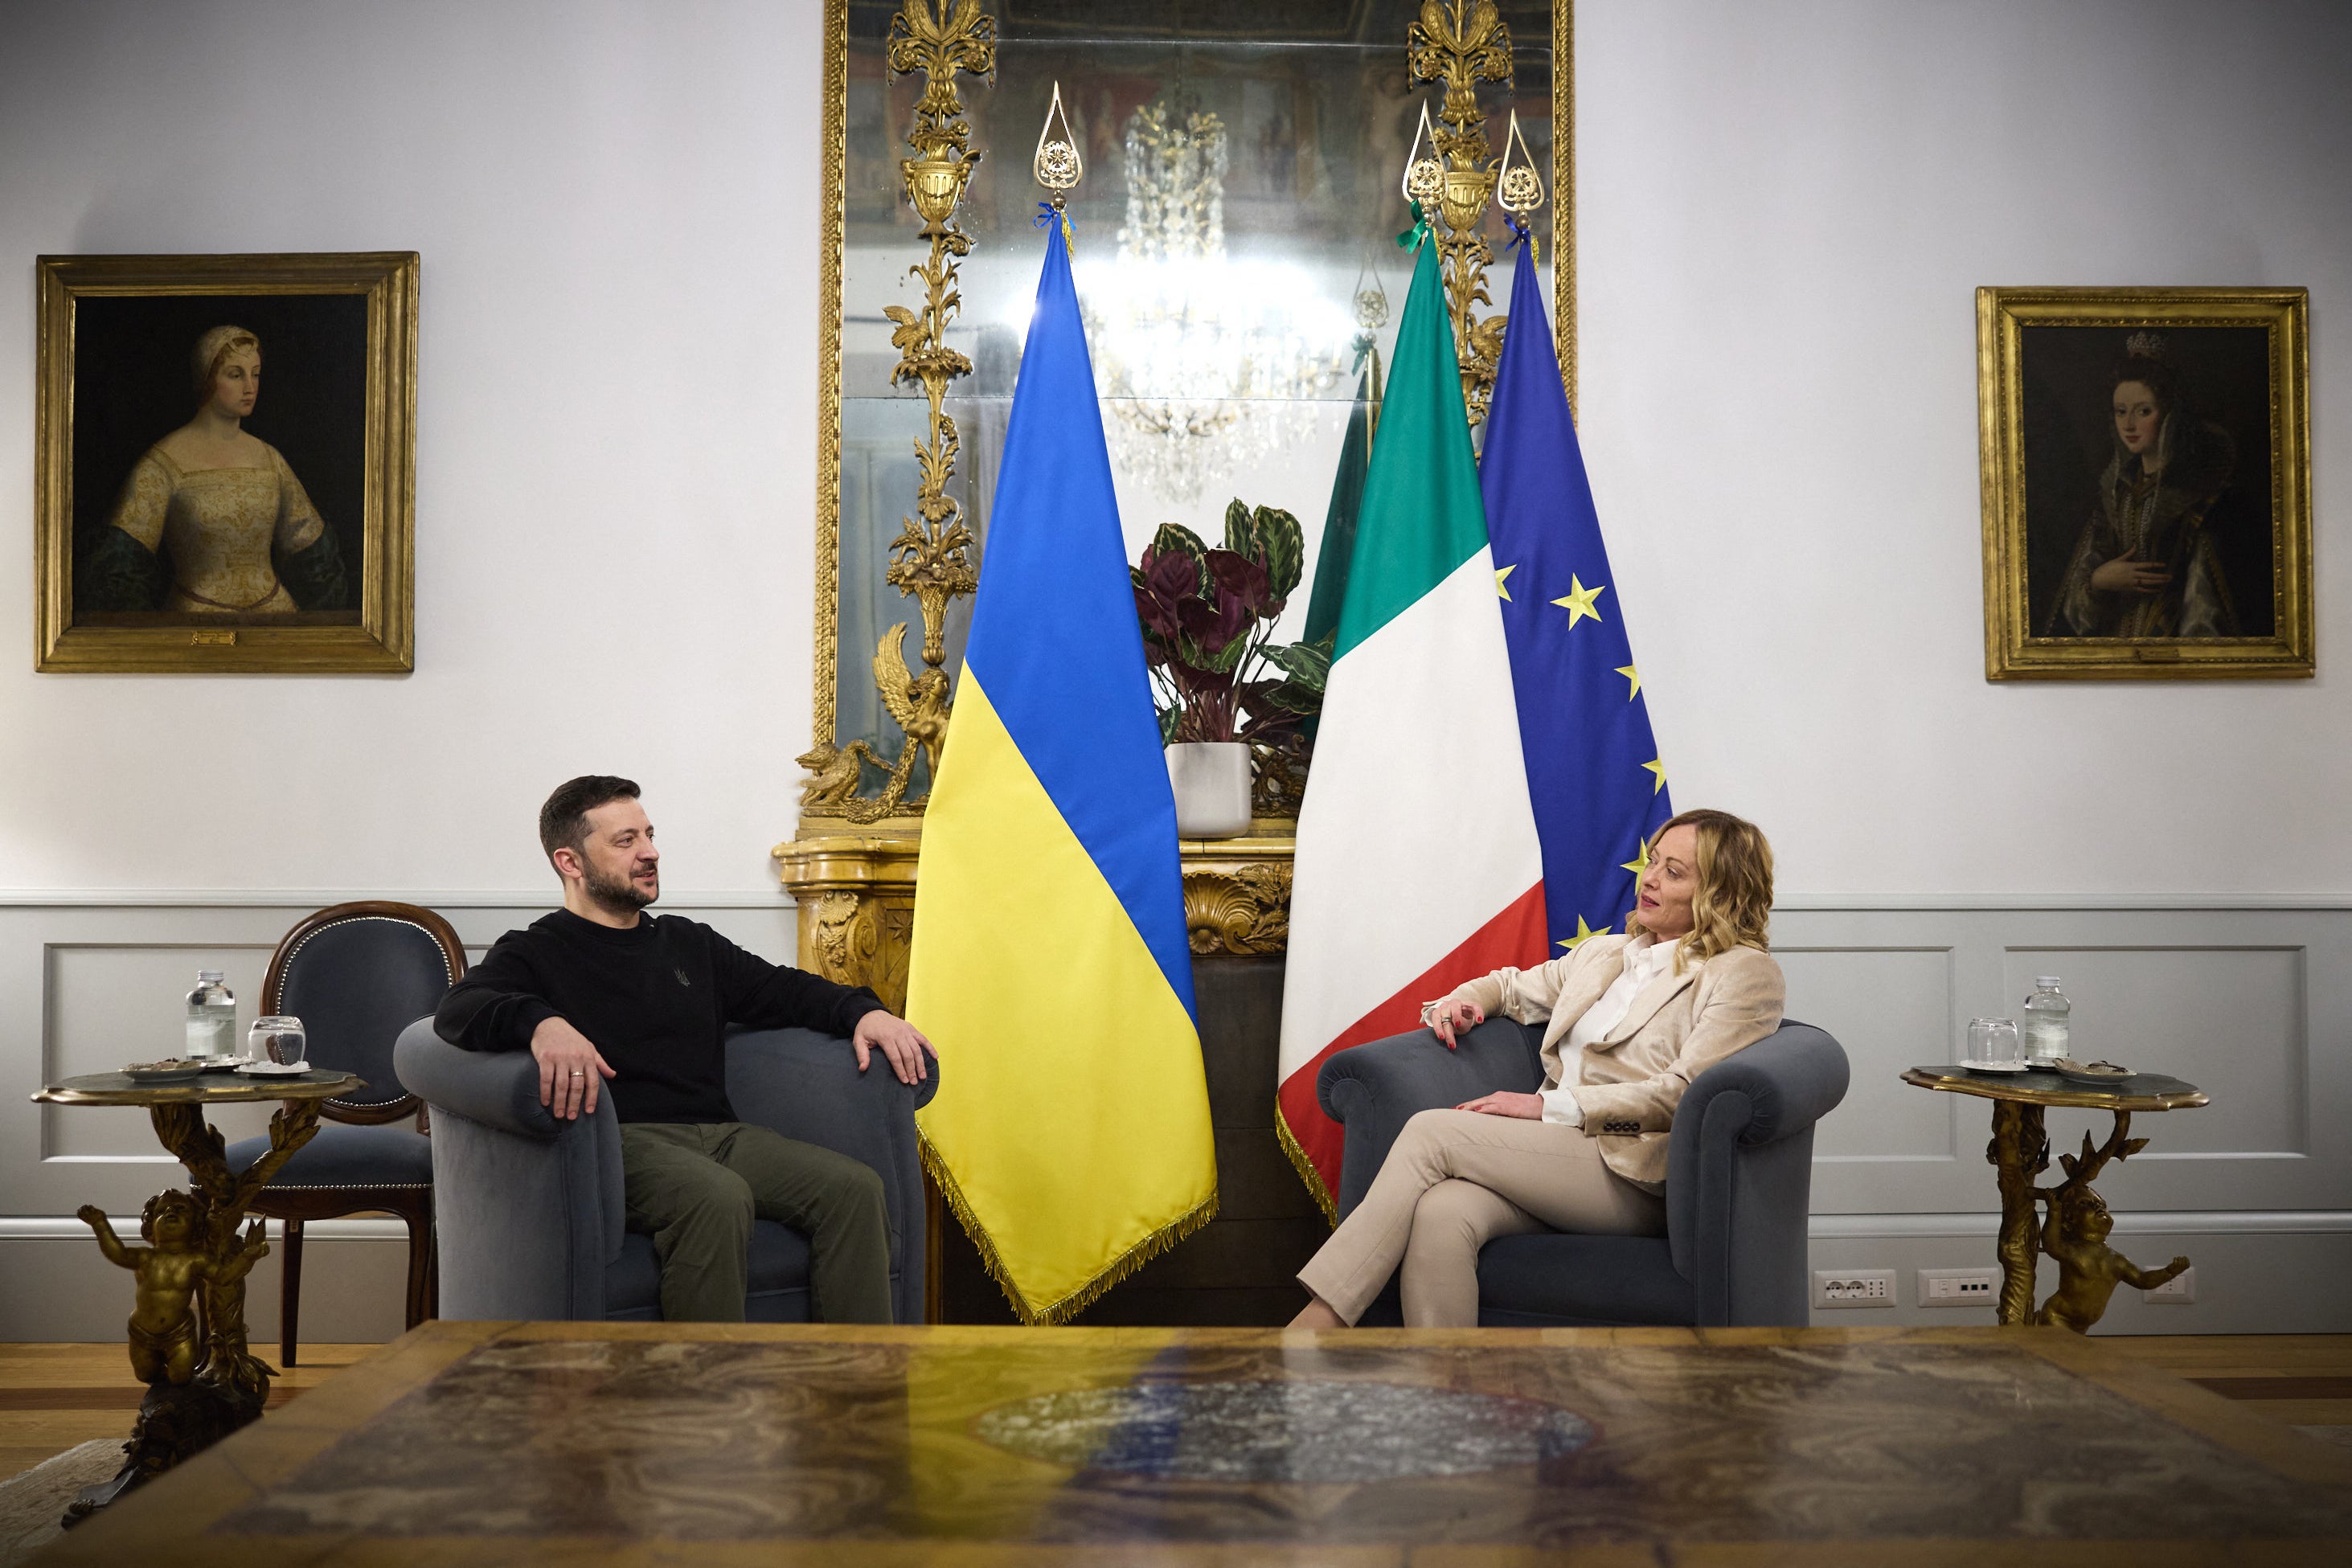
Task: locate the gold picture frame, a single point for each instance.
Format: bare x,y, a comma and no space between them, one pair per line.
2146,470
338,335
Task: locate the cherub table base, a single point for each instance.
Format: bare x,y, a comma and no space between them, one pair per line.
187,1334
2076,1227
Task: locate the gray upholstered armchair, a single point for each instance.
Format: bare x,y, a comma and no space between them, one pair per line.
531,1216
1739,1181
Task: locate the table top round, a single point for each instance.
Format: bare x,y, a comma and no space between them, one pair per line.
211,1089
2139,1091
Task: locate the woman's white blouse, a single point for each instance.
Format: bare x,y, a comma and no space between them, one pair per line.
1645,960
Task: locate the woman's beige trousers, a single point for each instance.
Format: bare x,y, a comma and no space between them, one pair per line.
1453,1181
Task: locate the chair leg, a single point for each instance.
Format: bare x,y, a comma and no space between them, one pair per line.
420,1263
289,1293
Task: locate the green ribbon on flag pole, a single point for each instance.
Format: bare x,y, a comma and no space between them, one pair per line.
1411,239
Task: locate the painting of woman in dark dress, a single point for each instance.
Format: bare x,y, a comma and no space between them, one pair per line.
2143,564
2145,463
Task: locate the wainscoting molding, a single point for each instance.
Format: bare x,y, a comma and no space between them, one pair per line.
2249,998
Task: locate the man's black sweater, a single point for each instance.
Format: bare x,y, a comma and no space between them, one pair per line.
655,1000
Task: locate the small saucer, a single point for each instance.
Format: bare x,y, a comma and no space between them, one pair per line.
160,1073
273,1068
1996,1067
2091,1079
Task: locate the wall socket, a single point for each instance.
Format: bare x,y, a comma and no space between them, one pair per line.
2180,1291
1854,1287
1959,1287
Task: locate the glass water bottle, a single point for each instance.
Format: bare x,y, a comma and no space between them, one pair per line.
2046,1017
212,1019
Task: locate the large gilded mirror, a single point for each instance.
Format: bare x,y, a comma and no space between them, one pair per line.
1235,245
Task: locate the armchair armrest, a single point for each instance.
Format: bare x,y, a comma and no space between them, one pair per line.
1740,1170
527,1210
806,1086
496,1088
1376,1089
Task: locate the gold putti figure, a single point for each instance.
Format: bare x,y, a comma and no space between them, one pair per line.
166,1336
240,533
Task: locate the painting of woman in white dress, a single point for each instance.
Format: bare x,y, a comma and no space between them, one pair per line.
212,519
225,464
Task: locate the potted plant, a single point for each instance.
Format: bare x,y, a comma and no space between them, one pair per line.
1222,683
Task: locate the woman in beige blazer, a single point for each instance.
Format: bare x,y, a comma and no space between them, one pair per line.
1628,1022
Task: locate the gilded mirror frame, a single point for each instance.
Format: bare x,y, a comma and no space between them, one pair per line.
832,242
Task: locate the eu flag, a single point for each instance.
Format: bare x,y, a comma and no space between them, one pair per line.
1594,772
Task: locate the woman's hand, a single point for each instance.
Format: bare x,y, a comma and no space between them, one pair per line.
2129,574
1454,1015
1526,1107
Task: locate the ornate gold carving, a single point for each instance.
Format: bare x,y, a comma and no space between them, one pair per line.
2076,1235
1243,911
1058,166
2075,1231
859,940
833,237
930,560
187,1331
1278,777
2019,1151
1463,44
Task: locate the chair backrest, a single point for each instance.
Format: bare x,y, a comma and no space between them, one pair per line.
356,975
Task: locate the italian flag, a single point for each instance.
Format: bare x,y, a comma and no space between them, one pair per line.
1418,865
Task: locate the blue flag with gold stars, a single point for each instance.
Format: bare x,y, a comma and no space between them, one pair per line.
1593,773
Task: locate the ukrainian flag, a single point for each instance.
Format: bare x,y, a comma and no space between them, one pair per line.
1050,966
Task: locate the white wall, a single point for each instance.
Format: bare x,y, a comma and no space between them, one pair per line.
1784,212
617,205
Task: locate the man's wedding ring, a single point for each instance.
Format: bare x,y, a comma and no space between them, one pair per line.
577,1073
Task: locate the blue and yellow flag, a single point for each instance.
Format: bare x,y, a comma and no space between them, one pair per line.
1050,965
1594,772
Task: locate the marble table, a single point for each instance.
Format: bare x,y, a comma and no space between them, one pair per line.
2075,1233
187,1330
590,1444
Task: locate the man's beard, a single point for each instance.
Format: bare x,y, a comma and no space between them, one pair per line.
618,892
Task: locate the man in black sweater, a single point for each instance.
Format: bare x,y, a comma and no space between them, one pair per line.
600,991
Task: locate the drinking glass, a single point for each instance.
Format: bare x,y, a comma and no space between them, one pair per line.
281,1040
1995,1042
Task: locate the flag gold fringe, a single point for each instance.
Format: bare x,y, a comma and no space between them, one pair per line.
1306,1169
1086,1295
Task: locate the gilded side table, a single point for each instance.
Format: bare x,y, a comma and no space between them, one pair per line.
187,1331
2075,1230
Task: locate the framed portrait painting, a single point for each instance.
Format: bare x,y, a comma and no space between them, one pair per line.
2146,464
226,464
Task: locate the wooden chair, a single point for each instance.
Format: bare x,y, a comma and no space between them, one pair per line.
356,975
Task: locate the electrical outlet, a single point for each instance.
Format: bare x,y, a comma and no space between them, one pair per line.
1959,1287
2180,1291
1854,1287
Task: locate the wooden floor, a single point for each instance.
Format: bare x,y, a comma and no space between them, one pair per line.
470,1443
55,1396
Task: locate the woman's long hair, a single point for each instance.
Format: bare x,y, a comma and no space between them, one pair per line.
1733,905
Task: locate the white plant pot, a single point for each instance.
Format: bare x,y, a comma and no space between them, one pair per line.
1212,780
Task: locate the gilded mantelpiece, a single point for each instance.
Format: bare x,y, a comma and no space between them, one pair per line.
855,886
924,193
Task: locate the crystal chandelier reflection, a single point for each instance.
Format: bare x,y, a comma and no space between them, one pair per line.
1209,362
